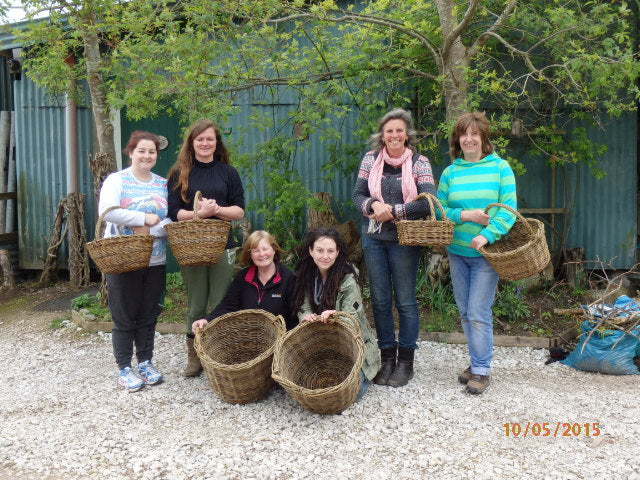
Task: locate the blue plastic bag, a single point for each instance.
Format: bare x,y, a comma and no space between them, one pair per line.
598,354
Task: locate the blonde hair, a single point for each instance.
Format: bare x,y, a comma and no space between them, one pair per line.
252,242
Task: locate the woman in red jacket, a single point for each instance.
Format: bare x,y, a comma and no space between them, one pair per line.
265,284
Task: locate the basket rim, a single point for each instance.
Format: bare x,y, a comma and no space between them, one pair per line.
536,227
336,319
278,321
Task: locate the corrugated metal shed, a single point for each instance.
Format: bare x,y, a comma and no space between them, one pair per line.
41,168
598,224
604,220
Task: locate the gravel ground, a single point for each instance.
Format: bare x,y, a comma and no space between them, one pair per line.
64,417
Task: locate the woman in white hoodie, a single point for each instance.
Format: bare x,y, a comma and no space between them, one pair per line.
135,298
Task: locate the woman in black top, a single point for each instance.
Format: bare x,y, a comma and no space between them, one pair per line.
204,165
265,284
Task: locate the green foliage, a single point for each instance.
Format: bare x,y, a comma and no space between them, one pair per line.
510,303
439,302
83,301
175,300
58,323
546,67
92,304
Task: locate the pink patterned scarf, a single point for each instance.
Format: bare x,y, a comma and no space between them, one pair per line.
409,189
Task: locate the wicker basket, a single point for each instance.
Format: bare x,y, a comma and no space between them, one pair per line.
120,254
426,232
236,351
198,241
319,363
522,252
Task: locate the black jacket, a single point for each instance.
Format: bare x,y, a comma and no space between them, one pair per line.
247,292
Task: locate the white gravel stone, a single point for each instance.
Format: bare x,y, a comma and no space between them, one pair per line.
63,416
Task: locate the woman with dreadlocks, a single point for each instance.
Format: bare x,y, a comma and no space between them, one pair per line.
326,283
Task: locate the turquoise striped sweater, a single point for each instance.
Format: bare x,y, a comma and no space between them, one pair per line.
470,185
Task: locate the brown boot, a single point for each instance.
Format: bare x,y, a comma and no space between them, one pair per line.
477,384
194,367
465,376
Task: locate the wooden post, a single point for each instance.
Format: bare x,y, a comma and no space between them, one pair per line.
5,131
11,175
8,283
77,237
574,266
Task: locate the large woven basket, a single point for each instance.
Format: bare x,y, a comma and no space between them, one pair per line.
236,351
522,252
431,232
319,364
120,254
198,241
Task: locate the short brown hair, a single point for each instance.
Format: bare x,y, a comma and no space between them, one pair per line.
138,136
481,123
252,242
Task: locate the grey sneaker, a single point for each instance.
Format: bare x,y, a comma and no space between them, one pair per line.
465,376
477,384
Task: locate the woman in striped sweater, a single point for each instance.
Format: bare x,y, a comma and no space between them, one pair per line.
476,178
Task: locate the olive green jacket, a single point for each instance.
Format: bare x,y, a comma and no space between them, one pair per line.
350,301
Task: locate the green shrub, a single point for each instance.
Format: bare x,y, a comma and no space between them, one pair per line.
510,303
92,304
438,300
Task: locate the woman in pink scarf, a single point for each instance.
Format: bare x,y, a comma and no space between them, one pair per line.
390,177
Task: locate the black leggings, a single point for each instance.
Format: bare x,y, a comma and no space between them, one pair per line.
135,303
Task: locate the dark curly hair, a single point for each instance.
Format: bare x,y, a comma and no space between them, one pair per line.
307,271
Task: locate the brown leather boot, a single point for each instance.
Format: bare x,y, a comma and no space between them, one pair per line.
194,367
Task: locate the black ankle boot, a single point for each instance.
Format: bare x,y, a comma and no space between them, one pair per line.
404,368
388,356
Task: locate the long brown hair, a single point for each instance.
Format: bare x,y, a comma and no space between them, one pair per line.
183,165
480,122
307,271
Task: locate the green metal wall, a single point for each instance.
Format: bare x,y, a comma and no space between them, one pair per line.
604,220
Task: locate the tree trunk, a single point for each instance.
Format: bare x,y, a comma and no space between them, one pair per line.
99,105
454,63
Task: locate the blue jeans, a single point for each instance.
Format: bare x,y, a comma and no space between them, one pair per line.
393,269
364,386
474,287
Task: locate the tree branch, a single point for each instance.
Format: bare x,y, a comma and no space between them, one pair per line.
358,19
484,37
461,27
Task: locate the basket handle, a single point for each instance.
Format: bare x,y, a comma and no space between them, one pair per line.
517,214
196,198
431,199
100,224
